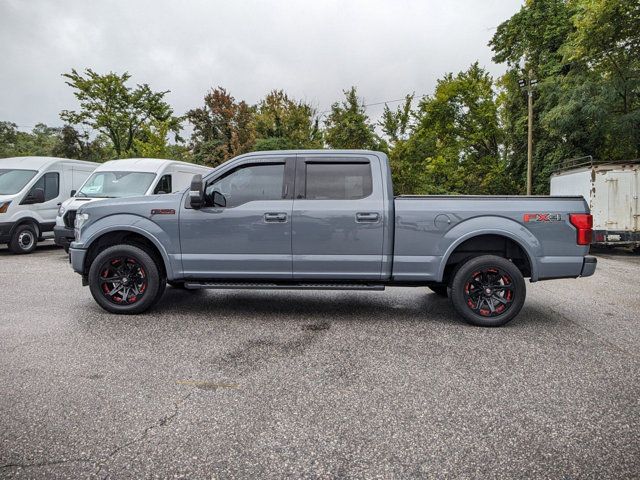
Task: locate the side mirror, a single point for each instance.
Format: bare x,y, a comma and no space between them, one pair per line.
73,193
219,200
35,196
196,192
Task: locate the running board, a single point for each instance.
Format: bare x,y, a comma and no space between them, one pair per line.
281,286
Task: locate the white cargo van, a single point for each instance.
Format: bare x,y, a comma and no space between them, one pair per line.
612,192
125,178
31,190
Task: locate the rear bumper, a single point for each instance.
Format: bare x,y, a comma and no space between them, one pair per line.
63,236
76,257
588,266
615,237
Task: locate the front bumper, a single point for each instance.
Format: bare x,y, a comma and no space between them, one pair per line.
588,266
5,231
76,257
63,236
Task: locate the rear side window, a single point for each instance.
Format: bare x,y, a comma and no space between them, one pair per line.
338,181
164,185
50,183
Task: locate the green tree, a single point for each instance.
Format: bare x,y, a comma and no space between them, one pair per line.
119,112
585,54
282,123
396,124
455,144
79,145
348,125
222,128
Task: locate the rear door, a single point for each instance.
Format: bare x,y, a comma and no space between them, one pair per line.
620,200
338,218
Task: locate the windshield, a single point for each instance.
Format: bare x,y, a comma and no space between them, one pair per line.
12,181
116,184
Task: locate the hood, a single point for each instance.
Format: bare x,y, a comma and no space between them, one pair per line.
140,206
7,198
74,203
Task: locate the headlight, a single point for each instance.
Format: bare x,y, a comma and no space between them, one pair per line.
4,206
61,211
81,219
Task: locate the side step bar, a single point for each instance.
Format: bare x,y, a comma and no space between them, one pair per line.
281,286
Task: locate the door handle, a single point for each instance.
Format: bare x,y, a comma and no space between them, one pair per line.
275,217
367,217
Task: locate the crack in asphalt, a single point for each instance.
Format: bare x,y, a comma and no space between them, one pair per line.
159,423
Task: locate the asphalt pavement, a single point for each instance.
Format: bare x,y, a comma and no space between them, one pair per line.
263,384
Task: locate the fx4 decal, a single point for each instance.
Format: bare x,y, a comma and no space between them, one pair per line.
542,217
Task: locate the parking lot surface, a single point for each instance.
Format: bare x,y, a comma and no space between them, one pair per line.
263,384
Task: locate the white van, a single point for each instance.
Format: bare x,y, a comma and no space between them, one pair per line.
125,178
31,190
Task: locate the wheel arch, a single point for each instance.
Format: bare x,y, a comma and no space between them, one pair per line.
23,221
129,235
466,243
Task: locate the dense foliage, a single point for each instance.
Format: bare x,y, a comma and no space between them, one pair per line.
468,136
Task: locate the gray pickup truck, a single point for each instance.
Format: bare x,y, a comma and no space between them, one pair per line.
327,219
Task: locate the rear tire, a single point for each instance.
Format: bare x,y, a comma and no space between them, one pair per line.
124,279
488,291
24,239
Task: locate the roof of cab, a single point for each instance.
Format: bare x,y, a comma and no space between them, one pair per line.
39,163
142,164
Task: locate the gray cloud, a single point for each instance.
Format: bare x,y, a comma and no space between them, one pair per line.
311,49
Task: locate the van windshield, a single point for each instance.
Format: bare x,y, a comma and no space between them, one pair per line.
12,180
116,184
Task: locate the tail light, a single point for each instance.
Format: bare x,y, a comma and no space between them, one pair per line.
584,224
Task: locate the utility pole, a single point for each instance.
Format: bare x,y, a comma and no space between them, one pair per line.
528,84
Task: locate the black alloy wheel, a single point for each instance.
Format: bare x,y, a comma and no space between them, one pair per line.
125,279
488,291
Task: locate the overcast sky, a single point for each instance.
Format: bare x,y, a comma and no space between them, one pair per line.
311,49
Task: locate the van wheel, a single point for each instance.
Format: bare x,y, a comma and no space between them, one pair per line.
488,291
125,279
24,239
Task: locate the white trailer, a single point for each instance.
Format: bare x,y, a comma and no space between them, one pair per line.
612,191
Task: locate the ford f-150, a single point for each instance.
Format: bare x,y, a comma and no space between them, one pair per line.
328,219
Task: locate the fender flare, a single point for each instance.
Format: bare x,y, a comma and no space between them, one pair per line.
493,225
133,227
22,221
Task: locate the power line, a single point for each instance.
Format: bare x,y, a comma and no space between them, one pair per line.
385,102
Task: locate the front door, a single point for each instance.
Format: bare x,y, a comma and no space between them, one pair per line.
250,236
338,222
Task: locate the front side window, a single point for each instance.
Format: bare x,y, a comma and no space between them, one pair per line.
116,184
248,183
13,180
338,181
50,184
164,185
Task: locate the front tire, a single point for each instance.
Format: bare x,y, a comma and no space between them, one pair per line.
488,291
24,239
125,279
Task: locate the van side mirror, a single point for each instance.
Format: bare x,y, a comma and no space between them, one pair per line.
219,200
73,193
196,192
35,196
